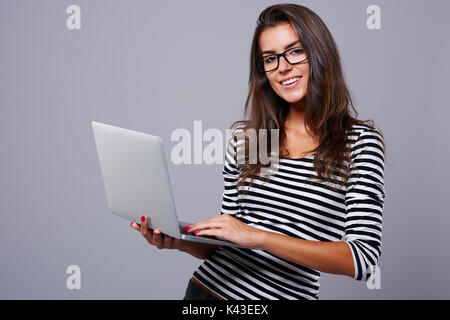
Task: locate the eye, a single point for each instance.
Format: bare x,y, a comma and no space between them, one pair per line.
297,51
269,59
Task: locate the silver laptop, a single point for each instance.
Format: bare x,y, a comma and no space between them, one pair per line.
137,182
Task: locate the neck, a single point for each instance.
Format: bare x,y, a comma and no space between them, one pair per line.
296,116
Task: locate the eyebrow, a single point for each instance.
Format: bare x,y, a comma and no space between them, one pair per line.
285,48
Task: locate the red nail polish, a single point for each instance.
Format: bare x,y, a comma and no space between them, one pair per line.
186,228
142,218
197,231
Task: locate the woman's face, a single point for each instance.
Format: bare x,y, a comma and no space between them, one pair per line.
278,39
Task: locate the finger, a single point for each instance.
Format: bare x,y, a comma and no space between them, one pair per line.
157,237
216,219
168,242
135,225
210,232
144,226
207,225
146,231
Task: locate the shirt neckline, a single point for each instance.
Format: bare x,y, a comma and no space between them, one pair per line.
306,157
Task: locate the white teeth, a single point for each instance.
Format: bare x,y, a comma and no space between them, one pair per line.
290,81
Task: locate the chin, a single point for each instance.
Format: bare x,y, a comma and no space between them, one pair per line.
293,97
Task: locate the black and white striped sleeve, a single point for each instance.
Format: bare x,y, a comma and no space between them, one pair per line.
230,203
364,202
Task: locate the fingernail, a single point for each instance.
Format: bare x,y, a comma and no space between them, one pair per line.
142,218
186,228
197,231
131,224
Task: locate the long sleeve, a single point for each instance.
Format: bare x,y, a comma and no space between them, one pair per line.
230,203
364,202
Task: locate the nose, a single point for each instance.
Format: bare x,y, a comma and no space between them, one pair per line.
283,64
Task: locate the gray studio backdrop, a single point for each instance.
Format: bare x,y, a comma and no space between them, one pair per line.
155,66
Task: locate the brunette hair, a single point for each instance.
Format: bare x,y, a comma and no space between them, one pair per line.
327,100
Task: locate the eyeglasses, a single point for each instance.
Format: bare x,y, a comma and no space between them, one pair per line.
271,62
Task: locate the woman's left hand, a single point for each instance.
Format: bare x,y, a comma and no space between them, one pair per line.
230,228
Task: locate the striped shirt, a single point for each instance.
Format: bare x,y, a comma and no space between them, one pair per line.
286,205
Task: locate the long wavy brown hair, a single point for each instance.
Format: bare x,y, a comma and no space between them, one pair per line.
327,100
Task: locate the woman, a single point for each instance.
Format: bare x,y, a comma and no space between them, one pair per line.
322,210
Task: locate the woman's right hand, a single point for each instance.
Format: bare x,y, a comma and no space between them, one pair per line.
155,237
162,241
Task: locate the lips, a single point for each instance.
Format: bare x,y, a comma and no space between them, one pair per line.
292,85
285,79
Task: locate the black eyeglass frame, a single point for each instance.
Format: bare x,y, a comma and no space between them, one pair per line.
259,62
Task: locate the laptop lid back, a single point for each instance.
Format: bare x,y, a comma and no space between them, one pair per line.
136,177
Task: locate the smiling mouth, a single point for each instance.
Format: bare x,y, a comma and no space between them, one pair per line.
290,81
